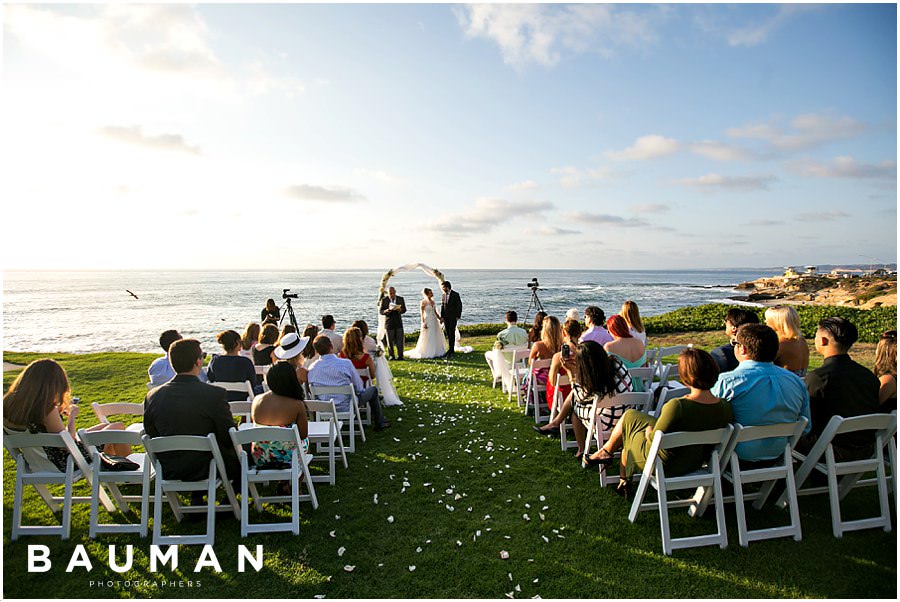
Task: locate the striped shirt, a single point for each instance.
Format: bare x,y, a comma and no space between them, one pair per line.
332,371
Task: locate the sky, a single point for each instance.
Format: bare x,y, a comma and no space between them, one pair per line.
462,136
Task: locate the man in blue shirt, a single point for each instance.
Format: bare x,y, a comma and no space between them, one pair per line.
161,371
760,392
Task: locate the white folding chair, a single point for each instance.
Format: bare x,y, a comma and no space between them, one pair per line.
168,489
324,430
351,415
35,469
243,387
110,481
492,357
565,426
518,374
673,368
652,356
711,476
849,472
665,394
241,409
535,390
642,378
365,412
630,400
104,410
781,468
251,475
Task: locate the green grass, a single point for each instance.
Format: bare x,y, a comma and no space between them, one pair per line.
456,433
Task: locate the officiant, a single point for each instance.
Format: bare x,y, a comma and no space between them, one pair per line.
392,308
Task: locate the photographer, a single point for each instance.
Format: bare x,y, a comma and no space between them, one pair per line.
270,313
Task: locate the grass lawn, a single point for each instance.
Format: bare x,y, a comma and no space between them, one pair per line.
464,478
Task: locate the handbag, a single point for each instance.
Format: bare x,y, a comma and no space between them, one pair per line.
111,463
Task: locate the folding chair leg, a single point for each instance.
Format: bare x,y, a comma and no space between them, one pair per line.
95,506
67,504
17,506
793,504
739,510
720,508
883,496
663,503
834,497
211,507
48,498
295,494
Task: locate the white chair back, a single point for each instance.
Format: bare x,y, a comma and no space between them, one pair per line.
243,387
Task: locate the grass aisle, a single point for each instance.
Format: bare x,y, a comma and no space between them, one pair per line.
427,507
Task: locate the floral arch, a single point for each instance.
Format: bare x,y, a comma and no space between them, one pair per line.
409,267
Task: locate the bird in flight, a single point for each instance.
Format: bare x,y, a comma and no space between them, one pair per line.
130,293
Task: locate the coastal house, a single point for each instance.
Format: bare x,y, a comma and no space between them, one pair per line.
810,271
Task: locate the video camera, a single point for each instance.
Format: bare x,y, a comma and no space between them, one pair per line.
285,295
534,284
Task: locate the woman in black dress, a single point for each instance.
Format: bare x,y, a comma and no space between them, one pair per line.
270,313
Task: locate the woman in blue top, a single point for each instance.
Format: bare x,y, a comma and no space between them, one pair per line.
629,349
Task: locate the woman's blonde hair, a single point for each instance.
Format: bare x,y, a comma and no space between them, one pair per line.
551,334
886,354
632,315
785,321
34,393
353,342
250,336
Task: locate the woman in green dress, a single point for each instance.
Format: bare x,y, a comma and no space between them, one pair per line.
699,410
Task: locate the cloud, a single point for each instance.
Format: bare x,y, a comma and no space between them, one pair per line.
650,208
326,194
720,151
807,131
381,176
486,215
135,135
646,147
739,183
573,177
753,35
604,218
845,167
520,186
822,216
553,231
535,33
764,222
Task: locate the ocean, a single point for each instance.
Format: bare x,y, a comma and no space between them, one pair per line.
90,311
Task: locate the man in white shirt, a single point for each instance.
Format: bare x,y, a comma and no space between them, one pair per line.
594,319
512,335
337,342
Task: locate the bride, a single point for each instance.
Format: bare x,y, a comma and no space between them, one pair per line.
431,338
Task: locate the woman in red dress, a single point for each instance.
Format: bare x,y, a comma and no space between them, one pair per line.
353,350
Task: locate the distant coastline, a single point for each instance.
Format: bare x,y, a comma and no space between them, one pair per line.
848,287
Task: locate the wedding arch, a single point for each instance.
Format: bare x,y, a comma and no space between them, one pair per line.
409,267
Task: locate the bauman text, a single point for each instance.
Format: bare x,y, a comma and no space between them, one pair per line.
39,559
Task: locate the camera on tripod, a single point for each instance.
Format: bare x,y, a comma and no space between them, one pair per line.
285,295
534,284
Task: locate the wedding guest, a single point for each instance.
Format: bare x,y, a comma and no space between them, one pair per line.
550,343
290,350
281,405
160,370
571,330
572,314
735,317
633,318
512,335
534,334
249,339
232,367
286,329
886,370
309,352
328,331
699,410
39,401
628,349
369,343
268,338
793,352
595,375
270,314
353,351
594,318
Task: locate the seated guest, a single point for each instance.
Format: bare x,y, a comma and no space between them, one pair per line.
232,367
793,352
594,318
625,346
595,375
571,330
572,314
332,371
633,317
369,344
268,339
286,329
39,400
186,406
534,334
735,317
249,339
160,370
291,351
760,392
281,405
841,387
328,331
353,351
886,370
309,352
699,410
512,335
550,343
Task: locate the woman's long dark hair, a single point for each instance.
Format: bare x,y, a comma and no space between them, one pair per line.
534,335
594,370
282,380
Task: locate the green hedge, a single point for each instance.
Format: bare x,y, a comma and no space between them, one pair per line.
870,322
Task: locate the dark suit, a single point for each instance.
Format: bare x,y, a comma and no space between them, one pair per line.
451,310
725,358
394,324
185,406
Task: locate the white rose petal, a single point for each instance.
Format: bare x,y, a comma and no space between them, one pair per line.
375,499
504,554
332,533
341,550
526,517
544,537
412,567
542,498
391,519
349,567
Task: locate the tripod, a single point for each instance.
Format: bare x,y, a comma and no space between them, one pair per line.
290,315
534,303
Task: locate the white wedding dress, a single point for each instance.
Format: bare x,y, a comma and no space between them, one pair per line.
431,338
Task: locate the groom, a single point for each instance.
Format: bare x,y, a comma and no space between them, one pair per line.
451,310
393,307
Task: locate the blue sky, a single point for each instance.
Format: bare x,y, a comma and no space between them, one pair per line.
520,136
